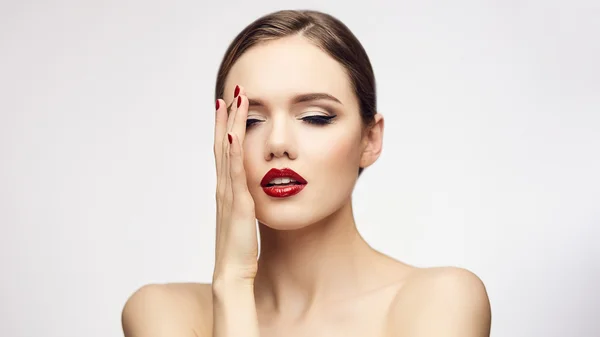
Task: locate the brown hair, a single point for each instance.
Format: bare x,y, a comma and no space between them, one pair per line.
323,30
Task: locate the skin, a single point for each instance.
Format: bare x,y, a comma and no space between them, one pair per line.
316,276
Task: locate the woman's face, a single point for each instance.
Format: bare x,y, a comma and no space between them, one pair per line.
326,153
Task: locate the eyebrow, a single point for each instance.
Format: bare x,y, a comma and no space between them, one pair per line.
301,98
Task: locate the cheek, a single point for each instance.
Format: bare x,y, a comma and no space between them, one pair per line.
335,169
336,162
339,154
332,155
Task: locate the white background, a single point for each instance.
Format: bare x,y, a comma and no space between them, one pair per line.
491,154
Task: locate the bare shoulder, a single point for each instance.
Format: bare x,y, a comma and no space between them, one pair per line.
443,301
173,309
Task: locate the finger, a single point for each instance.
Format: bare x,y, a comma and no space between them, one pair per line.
233,107
231,110
239,185
220,130
223,193
240,118
224,203
224,178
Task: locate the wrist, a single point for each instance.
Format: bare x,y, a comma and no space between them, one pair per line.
226,293
230,274
232,283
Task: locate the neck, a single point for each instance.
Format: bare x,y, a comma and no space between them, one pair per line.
327,261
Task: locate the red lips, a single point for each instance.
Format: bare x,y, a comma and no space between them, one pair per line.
282,191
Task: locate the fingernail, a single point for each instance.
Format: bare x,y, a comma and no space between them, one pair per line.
218,104
239,101
237,91
230,138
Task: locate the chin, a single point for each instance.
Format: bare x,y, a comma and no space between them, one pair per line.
278,220
287,216
299,211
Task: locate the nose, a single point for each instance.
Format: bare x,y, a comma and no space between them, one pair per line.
281,139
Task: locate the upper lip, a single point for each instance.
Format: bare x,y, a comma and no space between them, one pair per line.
283,173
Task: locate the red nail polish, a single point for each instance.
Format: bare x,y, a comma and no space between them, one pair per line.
239,101
230,138
237,91
218,104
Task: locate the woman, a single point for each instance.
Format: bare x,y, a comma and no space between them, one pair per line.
296,124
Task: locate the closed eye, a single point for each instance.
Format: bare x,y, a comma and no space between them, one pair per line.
315,120
251,121
318,120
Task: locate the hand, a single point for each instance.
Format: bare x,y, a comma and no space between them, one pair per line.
236,242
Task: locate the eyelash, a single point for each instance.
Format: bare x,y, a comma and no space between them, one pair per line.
314,120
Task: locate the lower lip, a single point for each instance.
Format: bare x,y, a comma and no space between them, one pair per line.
283,191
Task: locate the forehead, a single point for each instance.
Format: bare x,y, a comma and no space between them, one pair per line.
280,68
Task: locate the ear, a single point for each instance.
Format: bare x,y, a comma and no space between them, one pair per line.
372,142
